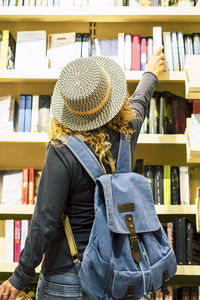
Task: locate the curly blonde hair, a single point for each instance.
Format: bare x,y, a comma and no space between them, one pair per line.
98,139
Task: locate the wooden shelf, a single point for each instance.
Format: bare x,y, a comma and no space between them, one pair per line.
10,267
52,75
23,137
162,139
176,209
105,14
16,209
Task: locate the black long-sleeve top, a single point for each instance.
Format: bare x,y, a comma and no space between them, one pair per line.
65,187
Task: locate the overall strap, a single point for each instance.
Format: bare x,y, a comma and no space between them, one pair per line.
124,155
85,156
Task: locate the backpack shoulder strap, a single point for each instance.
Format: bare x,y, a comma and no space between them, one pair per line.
124,155
85,156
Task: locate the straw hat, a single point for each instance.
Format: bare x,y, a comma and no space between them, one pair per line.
89,93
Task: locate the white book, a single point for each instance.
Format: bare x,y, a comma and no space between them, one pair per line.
134,3
6,3
6,114
84,3
44,3
12,187
175,51
195,133
184,185
38,2
157,37
61,49
1,2
35,112
12,3
121,55
20,2
56,2
127,52
26,2
9,240
118,2
181,51
104,3
77,3
168,50
78,45
31,50
24,233
149,47
66,4
161,118
50,2
152,116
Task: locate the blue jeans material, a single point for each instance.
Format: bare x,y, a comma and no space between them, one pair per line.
61,286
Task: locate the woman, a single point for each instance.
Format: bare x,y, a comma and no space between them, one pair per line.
90,98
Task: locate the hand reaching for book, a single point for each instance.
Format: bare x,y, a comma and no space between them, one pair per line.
157,63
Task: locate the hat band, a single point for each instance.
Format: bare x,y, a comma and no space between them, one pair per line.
97,108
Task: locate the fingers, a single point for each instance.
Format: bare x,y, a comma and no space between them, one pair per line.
158,51
7,291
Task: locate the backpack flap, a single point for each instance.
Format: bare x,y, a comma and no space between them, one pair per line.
129,188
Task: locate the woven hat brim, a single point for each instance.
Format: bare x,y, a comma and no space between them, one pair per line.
104,115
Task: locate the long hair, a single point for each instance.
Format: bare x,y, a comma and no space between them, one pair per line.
98,139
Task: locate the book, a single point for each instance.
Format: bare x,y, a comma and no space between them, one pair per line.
135,52
31,2
35,112
9,238
6,2
17,238
50,2
181,53
12,187
24,233
180,228
28,113
149,47
7,50
78,45
170,234
188,44
184,185
194,132
25,187
121,50
196,43
167,184
196,106
157,37
21,118
44,113
149,173
61,49
158,184
168,50
12,3
86,45
175,185
31,186
20,2
7,114
31,50
107,48
36,183
175,53
127,52
26,2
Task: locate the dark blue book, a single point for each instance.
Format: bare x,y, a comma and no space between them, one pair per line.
21,119
28,113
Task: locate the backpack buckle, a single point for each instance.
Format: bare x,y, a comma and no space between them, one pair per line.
134,243
130,292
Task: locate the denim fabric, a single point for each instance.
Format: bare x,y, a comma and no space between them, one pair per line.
60,287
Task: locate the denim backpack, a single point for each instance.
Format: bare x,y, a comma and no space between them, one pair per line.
128,255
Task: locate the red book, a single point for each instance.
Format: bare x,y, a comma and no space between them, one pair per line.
17,240
143,53
196,106
135,52
25,186
31,186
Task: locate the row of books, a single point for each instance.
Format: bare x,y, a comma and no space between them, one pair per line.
178,293
131,51
171,185
90,3
32,114
19,186
167,114
15,235
185,241
61,3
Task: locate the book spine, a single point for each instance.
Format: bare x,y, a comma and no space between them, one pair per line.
9,238
143,53
180,241
189,242
127,52
175,186
78,45
149,173
175,51
21,119
11,52
157,37
25,179
39,2
31,186
20,3
28,113
12,3
135,52
168,50
6,2
149,47
196,106
26,3
196,43
167,185
181,50
50,2
121,49
184,185
158,184
32,2
170,234
34,116
4,50
24,233
17,240
56,2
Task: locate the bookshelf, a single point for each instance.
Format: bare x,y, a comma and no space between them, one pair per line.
19,150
